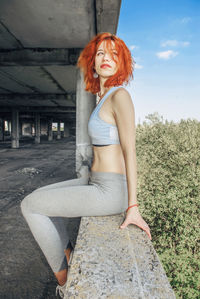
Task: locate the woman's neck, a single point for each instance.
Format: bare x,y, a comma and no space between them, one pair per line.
103,89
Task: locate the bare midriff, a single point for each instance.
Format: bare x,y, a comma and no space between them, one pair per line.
108,159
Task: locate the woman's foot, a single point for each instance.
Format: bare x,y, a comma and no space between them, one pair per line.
61,290
61,276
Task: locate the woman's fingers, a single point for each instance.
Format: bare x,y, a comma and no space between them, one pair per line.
124,224
144,227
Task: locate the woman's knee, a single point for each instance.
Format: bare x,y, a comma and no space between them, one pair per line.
26,203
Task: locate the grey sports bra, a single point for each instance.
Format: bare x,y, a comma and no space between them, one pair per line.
101,132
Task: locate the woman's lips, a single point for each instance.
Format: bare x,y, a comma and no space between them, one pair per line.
103,66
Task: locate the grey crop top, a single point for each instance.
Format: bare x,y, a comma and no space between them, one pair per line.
101,132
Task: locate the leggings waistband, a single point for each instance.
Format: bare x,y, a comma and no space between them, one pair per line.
107,175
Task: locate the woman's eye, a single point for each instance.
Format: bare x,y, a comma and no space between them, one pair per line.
99,53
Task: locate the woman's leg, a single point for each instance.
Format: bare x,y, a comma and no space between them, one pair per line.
57,226
42,208
72,182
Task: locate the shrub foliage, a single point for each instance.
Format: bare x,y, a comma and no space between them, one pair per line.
168,163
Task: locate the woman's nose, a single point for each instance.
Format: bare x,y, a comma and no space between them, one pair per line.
106,56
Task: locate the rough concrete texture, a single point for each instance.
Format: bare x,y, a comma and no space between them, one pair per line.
112,263
25,273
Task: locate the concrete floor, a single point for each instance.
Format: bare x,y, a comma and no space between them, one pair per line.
25,273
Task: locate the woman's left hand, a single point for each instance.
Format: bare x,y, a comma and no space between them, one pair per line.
133,217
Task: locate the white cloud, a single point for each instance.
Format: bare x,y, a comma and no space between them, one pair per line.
171,43
132,47
138,66
174,43
185,44
185,20
166,54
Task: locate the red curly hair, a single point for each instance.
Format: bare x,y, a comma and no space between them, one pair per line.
125,62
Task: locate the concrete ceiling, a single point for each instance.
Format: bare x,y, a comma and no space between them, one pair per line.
39,45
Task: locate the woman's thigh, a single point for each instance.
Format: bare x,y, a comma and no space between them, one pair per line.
72,182
72,201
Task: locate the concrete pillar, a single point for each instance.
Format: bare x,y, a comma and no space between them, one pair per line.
37,128
27,129
32,129
1,129
66,130
43,127
50,132
58,130
9,126
20,129
85,103
15,129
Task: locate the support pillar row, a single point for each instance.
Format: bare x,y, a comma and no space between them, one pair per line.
37,128
1,129
66,130
15,129
58,130
50,132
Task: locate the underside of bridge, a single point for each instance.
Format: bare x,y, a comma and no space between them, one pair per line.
40,42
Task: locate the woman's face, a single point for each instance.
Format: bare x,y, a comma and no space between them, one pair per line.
105,66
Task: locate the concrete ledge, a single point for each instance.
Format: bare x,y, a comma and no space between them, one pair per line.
115,264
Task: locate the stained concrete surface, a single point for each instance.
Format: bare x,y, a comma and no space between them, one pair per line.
109,263
25,273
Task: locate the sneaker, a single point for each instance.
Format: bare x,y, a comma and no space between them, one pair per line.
61,290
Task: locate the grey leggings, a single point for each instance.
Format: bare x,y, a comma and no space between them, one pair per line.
101,194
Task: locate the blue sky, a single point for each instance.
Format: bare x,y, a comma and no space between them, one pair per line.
164,38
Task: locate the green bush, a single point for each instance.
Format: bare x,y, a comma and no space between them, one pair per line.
168,162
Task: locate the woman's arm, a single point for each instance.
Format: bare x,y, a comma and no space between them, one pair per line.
124,114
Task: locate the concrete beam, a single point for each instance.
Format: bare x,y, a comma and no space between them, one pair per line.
39,57
43,109
39,97
107,15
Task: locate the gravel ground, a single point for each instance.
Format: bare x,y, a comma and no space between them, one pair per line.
25,273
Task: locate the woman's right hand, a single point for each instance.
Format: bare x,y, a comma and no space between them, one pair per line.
133,217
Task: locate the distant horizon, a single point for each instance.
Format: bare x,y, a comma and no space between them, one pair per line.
163,38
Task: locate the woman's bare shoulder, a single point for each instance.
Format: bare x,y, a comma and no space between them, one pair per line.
121,97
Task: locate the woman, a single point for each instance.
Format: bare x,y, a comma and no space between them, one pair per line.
111,186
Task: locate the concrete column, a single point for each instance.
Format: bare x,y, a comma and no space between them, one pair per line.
32,129
37,128
58,130
50,132
15,129
1,129
66,130
9,126
85,103
20,130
